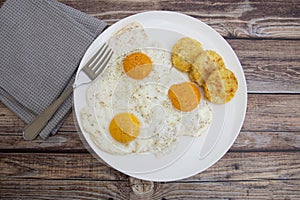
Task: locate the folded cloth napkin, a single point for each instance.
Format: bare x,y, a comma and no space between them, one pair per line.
42,43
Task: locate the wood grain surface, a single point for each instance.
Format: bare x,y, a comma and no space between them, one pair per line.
264,161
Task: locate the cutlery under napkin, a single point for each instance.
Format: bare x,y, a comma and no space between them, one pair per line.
42,43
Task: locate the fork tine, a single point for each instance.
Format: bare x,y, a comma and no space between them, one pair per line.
95,55
101,65
97,62
99,55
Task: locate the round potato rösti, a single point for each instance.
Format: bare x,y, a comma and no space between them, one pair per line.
221,86
184,53
194,75
204,65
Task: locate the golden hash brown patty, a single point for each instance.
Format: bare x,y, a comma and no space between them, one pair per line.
221,86
184,53
204,65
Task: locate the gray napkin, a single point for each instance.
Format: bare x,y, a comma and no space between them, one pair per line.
42,43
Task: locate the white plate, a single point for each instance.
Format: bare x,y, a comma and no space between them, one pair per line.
166,28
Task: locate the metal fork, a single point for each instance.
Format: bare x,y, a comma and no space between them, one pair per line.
95,65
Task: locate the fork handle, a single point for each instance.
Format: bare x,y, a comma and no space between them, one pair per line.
33,129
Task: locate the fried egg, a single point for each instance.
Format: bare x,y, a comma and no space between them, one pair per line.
128,107
184,96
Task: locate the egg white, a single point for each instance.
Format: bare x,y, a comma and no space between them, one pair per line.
114,92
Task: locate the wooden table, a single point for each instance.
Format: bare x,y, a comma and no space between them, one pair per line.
263,163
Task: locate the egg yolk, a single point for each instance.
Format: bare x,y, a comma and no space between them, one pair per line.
137,65
184,96
124,127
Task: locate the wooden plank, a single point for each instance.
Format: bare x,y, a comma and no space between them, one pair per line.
267,141
243,166
62,189
270,66
74,189
70,142
9,121
232,19
61,142
272,113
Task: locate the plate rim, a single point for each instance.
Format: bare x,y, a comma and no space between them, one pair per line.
147,176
